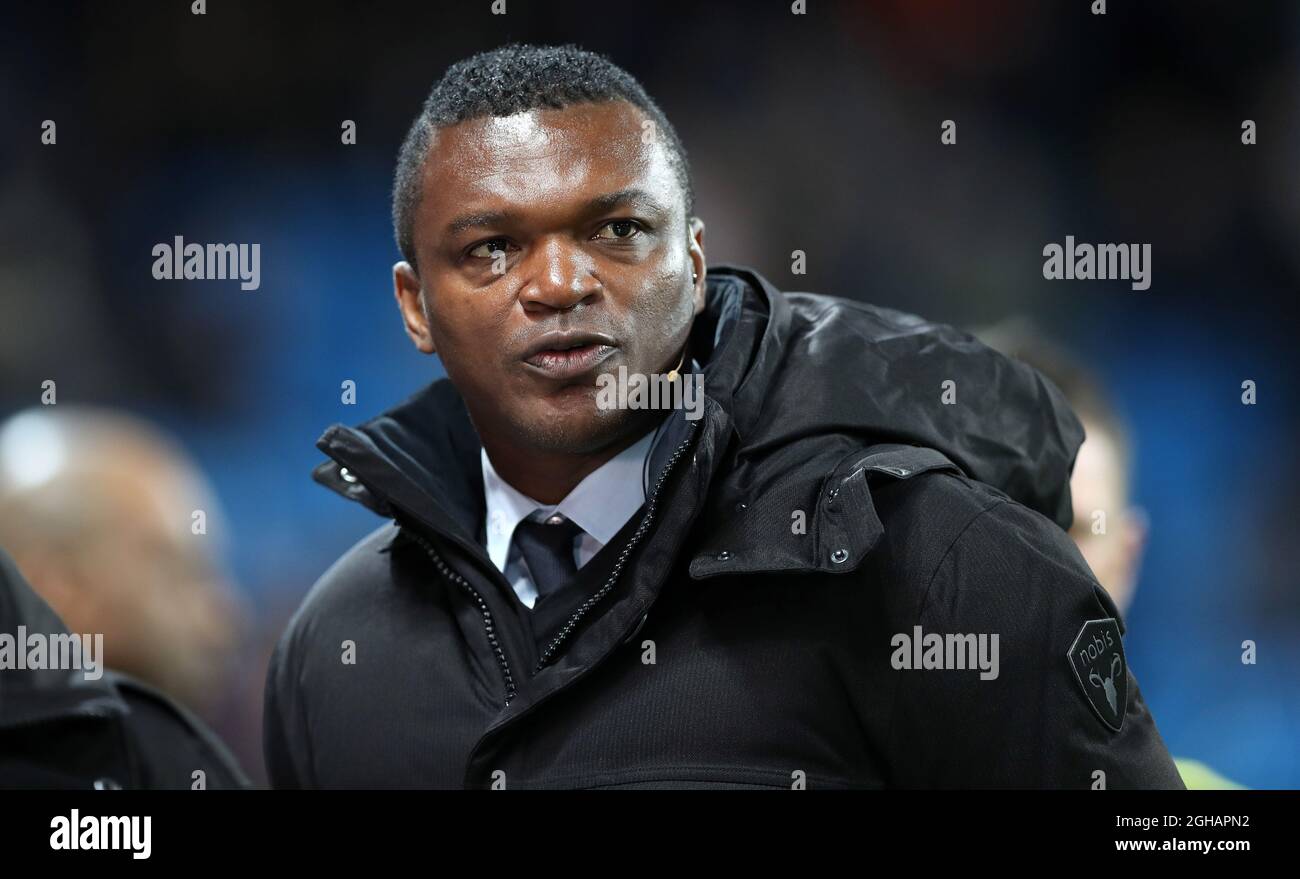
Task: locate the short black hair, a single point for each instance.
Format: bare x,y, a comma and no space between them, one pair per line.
513,79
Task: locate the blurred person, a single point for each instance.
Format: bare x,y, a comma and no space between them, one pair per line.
1109,529
98,508
572,594
72,727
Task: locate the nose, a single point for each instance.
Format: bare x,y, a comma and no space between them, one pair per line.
559,276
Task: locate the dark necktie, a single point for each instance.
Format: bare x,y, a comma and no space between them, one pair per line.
548,550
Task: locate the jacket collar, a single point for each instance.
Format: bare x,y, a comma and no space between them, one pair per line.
600,504
420,459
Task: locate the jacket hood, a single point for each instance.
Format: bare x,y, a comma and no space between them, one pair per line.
827,367
811,389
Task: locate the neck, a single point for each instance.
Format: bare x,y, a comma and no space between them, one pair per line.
546,475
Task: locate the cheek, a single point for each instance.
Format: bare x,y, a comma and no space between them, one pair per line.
661,312
468,327
473,337
450,320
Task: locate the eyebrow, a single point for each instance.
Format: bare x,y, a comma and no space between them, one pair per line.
599,204
634,196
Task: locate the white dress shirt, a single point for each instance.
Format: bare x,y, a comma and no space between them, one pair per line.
600,505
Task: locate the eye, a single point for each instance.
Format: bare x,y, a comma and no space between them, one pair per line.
619,230
486,249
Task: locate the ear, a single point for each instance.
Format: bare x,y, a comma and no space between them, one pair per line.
698,264
410,302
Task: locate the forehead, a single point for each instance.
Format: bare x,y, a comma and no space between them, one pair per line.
540,159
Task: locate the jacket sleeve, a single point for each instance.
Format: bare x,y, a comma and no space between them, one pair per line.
285,743
1028,719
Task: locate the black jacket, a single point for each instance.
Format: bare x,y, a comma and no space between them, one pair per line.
59,730
721,644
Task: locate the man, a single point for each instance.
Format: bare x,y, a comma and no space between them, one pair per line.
573,595
84,727
99,509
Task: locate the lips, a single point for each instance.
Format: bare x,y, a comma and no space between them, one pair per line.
563,355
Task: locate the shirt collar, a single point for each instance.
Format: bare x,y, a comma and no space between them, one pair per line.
600,504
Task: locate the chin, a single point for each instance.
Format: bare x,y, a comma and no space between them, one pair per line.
577,427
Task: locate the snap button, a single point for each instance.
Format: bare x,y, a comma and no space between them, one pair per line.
740,508
840,556
724,556
346,475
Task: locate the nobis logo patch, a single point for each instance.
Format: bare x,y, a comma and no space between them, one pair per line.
1097,657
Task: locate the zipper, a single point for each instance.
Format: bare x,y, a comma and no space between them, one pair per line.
456,578
563,634
636,537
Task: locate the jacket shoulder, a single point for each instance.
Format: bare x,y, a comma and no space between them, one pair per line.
353,578
924,516
346,589
959,549
344,593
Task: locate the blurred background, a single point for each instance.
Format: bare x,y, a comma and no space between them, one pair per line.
816,132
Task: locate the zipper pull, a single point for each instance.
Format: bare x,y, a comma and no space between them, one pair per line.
639,626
